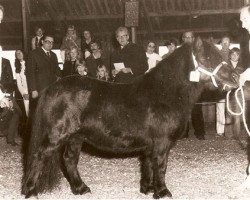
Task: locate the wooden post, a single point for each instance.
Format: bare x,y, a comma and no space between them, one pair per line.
132,17
133,34
25,16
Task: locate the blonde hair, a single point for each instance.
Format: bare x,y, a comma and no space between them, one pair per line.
106,74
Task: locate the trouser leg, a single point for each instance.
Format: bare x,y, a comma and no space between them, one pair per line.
220,117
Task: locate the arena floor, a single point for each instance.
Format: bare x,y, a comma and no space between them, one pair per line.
208,169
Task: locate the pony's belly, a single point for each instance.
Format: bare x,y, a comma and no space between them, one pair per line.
117,142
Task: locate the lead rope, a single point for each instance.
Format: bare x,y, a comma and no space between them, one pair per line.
242,106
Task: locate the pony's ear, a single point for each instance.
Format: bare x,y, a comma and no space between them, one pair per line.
198,44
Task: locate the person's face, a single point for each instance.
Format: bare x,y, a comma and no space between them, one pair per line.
245,18
101,72
171,47
86,35
73,54
48,43
122,37
151,47
225,43
1,16
81,70
19,55
70,31
234,56
39,32
94,47
188,37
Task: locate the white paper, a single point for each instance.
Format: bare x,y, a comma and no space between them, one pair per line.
194,76
119,66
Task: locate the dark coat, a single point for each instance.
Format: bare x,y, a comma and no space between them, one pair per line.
93,63
41,70
134,57
7,80
69,68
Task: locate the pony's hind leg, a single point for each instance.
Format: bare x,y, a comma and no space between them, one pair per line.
146,183
37,164
70,161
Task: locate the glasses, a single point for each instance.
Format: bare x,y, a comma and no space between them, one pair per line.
49,42
121,36
152,46
188,36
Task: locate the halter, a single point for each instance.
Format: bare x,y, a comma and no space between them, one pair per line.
211,74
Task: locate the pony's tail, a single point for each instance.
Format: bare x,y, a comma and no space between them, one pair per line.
39,155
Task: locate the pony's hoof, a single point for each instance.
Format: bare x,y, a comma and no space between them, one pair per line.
31,193
83,189
162,193
147,189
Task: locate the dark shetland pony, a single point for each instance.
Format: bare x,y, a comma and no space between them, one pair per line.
146,116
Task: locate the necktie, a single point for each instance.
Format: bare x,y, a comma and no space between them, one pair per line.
48,54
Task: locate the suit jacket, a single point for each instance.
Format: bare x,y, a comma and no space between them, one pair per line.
7,81
41,70
134,57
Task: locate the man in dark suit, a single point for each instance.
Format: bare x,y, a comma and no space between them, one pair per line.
129,60
42,67
9,126
41,71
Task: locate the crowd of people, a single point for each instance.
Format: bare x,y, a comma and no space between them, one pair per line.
86,57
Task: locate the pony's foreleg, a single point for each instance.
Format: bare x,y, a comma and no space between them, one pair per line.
146,183
70,159
36,167
160,159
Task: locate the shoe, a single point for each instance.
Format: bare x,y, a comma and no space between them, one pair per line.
200,137
13,143
220,135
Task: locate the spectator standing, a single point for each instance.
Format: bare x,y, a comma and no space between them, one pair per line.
70,40
95,59
129,60
220,106
36,41
171,45
86,41
20,65
42,67
225,44
69,67
152,56
196,114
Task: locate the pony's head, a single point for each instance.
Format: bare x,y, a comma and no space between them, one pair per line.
210,68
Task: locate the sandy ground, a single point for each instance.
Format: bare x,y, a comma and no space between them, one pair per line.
208,169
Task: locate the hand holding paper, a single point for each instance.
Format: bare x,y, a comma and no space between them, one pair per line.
119,66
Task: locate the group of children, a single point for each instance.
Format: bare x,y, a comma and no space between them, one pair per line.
101,74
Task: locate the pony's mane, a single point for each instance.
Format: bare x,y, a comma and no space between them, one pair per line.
180,62
177,65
